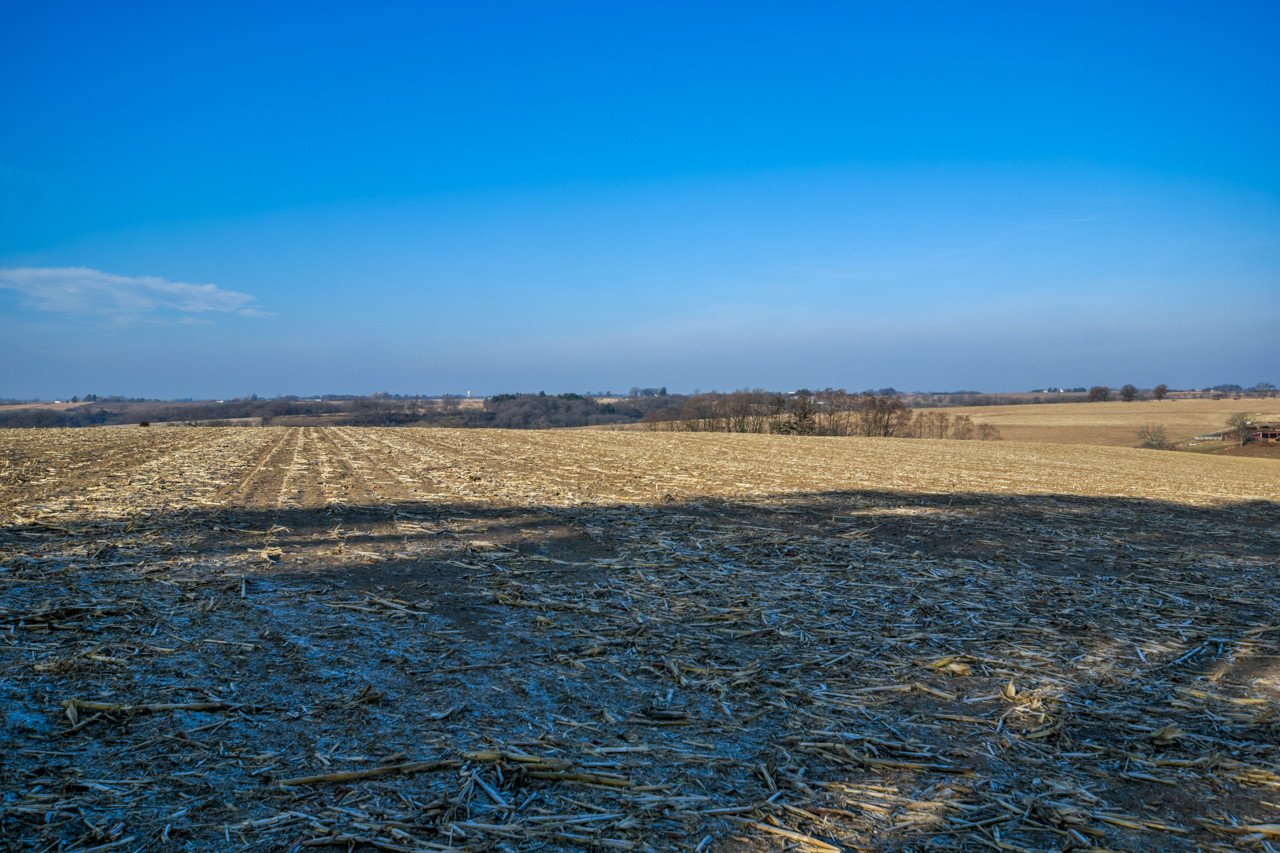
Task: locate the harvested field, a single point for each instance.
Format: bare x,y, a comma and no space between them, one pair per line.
1113,424
402,639
41,406
49,407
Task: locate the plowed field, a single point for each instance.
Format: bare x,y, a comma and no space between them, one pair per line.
405,639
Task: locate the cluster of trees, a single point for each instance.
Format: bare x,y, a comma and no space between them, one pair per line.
1126,393
113,398
1258,389
542,411
383,410
940,425
829,412
1129,393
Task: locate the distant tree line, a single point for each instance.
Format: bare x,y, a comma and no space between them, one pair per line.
512,411
505,411
804,412
1258,389
1130,393
528,411
955,399
833,411
49,418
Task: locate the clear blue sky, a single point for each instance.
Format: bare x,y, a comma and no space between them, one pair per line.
222,199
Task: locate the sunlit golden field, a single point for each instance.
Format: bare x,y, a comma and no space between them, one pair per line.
1113,423
412,639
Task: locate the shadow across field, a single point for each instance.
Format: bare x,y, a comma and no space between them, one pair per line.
862,669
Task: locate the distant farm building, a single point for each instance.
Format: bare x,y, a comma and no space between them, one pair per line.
1264,433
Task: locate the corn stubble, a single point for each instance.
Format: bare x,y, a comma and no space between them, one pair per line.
434,640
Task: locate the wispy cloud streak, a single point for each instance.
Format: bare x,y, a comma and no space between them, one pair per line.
90,292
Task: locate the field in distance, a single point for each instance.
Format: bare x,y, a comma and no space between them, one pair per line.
1114,424
57,406
420,639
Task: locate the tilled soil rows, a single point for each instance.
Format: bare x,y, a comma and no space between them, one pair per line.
401,639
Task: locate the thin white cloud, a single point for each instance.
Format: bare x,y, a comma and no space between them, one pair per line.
80,290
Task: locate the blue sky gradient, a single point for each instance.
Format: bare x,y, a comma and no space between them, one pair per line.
220,200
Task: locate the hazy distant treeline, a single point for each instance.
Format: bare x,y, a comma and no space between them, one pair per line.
832,411
505,411
35,418
883,411
511,411
118,412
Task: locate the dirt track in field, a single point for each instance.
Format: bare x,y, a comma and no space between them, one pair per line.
585,640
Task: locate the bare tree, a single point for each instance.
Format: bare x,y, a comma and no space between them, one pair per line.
962,427
737,410
1160,391
1154,437
1240,424
1129,393
1099,394
932,425
989,432
835,412
763,411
